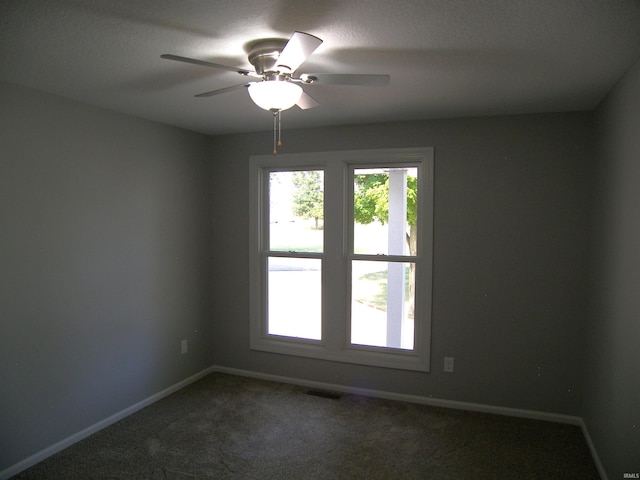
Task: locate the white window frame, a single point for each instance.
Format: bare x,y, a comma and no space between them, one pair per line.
338,235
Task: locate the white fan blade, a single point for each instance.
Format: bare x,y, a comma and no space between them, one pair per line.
221,90
347,79
297,50
194,61
306,101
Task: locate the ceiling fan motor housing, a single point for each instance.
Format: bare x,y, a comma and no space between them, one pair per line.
264,55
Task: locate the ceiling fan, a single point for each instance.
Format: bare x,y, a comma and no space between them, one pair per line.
276,86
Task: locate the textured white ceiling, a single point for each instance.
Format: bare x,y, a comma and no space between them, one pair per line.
446,58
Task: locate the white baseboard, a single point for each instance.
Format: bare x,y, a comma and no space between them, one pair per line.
81,435
592,449
435,402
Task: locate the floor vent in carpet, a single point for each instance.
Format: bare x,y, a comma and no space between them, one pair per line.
324,394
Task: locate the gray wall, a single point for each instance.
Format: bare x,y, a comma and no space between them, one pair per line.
105,265
612,410
510,264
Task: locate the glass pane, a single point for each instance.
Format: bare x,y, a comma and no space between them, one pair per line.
296,211
384,207
294,297
382,304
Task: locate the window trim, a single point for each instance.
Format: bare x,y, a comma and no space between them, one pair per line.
336,257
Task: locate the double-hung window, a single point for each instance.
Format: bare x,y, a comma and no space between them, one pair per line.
341,255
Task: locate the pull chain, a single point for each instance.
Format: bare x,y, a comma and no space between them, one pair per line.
277,131
275,114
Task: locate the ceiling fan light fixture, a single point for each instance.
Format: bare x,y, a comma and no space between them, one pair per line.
275,94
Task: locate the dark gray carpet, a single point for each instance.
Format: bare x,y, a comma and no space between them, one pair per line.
228,427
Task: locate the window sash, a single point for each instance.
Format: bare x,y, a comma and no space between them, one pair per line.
370,324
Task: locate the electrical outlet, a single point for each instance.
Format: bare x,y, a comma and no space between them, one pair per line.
448,364
183,347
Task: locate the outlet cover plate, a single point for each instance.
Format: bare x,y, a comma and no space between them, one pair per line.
448,364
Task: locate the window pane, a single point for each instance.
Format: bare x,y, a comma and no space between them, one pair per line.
296,211
384,202
382,303
294,297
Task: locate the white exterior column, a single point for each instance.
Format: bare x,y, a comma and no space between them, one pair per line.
397,241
